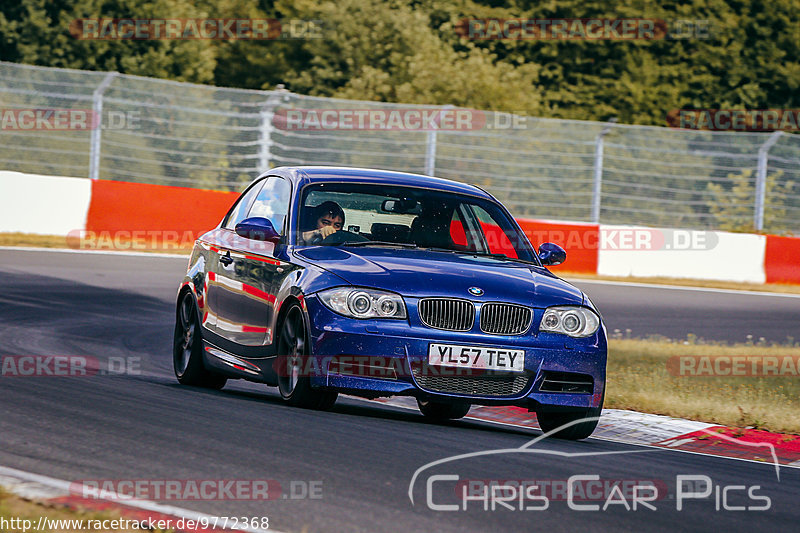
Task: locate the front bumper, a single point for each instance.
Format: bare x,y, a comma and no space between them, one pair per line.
369,347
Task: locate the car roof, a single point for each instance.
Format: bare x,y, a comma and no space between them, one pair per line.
304,175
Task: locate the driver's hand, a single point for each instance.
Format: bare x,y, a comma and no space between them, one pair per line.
325,231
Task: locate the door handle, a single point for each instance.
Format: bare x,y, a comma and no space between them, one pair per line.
226,259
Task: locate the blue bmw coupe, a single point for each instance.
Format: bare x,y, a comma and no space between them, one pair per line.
321,280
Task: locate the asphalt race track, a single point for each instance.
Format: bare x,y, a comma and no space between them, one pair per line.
711,314
361,456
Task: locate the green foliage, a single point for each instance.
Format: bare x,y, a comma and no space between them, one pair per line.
38,32
733,206
400,51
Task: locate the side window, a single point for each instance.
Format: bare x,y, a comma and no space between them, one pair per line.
240,210
496,238
272,202
457,231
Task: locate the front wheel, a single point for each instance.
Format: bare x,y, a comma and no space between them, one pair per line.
187,349
443,411
295,388
580,425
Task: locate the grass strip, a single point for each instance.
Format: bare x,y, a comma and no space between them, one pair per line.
645,375
15,511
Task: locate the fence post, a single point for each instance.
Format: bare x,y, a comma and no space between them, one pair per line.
598,170
97,122
761,180
430,153
266,128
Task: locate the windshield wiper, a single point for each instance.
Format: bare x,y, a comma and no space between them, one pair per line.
447,250
504,257
500,257
379,243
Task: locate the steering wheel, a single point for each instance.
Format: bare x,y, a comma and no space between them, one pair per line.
343,236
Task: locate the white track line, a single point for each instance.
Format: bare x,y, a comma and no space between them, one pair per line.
683,288
98,252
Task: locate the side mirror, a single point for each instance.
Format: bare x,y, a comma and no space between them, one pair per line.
551,254
258,229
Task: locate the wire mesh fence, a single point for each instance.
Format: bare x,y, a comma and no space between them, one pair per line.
158,131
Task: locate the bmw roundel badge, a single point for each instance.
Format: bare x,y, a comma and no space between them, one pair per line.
475,291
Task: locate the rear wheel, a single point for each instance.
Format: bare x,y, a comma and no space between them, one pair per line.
440,411
187,349
295,388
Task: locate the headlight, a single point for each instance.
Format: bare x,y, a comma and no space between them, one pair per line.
363,303
569,320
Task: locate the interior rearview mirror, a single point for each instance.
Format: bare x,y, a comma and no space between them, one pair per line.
401,205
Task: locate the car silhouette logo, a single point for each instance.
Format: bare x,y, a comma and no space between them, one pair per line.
475,291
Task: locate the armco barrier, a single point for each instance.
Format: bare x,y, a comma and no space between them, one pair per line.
579,240
51,205
782,259
718,256
43,205
121,206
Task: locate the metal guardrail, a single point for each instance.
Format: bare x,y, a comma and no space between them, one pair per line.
201,136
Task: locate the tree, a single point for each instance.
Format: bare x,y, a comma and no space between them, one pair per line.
38,32
733,206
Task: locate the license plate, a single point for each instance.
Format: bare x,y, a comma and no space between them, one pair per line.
476,357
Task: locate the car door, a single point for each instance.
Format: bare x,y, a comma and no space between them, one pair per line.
245,296
217,243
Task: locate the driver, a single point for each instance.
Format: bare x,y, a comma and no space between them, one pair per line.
328,218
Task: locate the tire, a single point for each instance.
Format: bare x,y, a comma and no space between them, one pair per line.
187,349
296,389
443,411
581,430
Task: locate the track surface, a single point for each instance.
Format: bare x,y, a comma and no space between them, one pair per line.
148,427
712,314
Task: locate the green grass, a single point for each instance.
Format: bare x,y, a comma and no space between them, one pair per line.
54,241
638,379
13,507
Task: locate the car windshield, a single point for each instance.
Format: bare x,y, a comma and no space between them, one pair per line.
358,215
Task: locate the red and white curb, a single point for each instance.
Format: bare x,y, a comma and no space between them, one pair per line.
53,491
631,427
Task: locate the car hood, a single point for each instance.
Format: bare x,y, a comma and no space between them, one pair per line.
420,273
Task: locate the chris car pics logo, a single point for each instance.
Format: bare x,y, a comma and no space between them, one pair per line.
447,490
